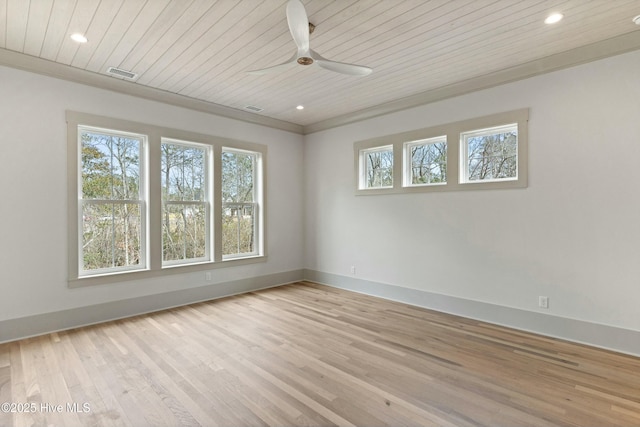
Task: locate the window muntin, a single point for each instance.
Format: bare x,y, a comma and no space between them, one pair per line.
425,162
240,203
141,256
377,167
489,154
111,201
186,211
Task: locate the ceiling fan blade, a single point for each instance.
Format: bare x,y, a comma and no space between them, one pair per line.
340,67
287,64
298,24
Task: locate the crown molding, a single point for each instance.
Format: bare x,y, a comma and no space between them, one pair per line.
614,46
65,72
592,52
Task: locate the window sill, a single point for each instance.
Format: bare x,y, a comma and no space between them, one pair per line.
128,276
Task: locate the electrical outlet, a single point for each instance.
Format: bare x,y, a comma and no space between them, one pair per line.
353,269
543,302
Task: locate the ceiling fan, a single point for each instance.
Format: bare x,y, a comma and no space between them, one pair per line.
300,27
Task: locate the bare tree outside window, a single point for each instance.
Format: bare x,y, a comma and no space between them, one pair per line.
378,168
144,199
492,154
239,216
111,203
428,162
481,153
184,200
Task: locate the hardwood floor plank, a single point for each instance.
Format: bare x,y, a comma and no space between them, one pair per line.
31,376
310,355
196,385
5,383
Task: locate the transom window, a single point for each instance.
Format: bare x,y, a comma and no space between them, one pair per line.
377,167
426,161
491,154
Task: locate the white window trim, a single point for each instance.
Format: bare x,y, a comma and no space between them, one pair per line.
207,202
142,201
453,132
154,266
363,167
464,156
257,204
407,175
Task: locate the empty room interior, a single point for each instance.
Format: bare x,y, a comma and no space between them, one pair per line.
318,212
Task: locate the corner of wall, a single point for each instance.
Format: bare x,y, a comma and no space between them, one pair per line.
579,331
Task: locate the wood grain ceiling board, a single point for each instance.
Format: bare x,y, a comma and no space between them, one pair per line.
201,49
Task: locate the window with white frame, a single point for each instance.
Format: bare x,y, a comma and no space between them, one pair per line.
141,200
111,201
425,162
240,203
489,154
186,211
376,165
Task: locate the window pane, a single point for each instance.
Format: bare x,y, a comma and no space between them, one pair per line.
184,225
429,163
183,173
111,235
184,232
238,170
378,168
238,229
492,154
110,166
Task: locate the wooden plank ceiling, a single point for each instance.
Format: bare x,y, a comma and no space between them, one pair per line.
202,48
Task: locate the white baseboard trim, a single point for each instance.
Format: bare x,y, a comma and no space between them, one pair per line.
593,334
39,324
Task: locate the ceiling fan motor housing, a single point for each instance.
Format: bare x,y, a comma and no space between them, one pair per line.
300,28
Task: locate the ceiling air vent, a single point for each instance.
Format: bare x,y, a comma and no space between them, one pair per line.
118,72
253,108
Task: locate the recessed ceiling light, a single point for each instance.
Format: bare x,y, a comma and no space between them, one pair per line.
636,20
553,18
77,37
300,107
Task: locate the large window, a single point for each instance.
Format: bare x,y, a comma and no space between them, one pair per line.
111,201
491,154
186,218
146,200
239,203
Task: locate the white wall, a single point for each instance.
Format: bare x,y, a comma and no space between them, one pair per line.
33,171
573,234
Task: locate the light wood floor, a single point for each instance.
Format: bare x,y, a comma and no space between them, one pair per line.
305,355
